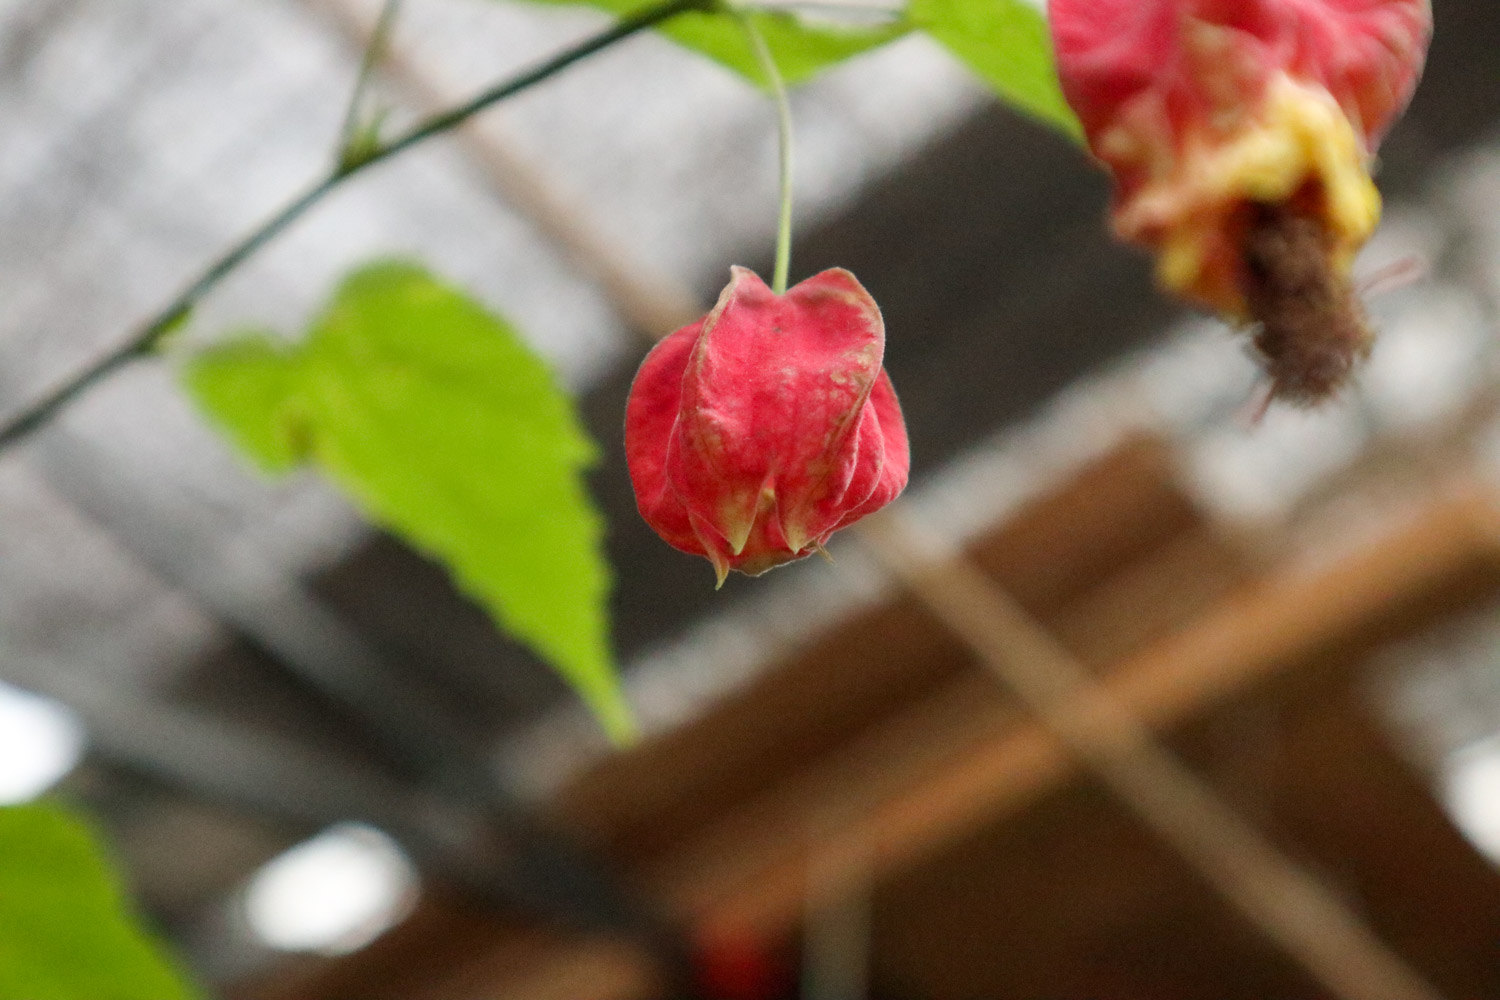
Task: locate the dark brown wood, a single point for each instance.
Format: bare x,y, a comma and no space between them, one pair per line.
1077,900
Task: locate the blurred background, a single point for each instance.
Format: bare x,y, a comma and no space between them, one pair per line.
327,775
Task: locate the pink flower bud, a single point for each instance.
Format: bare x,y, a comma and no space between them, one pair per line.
755,433
1240,135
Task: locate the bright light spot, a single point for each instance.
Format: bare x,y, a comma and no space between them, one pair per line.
40,742
1203,373
332,894
1428,361
1472,794
1261,473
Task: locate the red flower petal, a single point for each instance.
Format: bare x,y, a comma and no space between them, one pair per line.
755,433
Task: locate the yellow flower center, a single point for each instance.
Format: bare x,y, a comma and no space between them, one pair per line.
1298,144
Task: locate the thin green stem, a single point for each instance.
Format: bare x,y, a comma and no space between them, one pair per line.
374,51
784,134
149,334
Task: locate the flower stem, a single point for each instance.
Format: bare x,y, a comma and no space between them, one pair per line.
784,134
32,415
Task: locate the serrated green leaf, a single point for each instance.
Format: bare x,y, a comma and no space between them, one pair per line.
445,427
1007,44
66,932
802,48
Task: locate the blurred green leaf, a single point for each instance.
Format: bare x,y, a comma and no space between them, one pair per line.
445,427
1007,44
250,387
66,932
802,47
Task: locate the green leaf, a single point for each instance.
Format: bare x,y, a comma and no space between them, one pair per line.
66,932
801,48
1006,43
447,429
249,385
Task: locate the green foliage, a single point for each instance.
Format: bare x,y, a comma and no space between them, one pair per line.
445,428
65,929
1006,43
801,48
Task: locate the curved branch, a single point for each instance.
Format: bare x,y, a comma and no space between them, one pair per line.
39,411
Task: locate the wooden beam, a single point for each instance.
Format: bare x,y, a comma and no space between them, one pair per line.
1076,899
1287,902
739,877
1270,626
957,760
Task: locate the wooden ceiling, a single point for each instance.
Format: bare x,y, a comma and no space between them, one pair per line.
998,870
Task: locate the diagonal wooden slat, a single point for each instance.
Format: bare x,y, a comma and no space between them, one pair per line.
1291,906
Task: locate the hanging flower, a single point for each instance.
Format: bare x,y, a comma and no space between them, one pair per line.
755,433
1240,135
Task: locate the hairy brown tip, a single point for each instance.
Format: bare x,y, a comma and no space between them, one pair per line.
1313,329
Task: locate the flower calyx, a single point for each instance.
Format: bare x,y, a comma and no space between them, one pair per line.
755,433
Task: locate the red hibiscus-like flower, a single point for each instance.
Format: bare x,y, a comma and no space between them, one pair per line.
755,433
1240,135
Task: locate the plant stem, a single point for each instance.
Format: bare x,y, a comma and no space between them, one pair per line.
784,134
39,411
379,40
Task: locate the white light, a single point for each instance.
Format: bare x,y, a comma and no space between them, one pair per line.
1261,473
1472,794
1429,360
332,894
40,742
